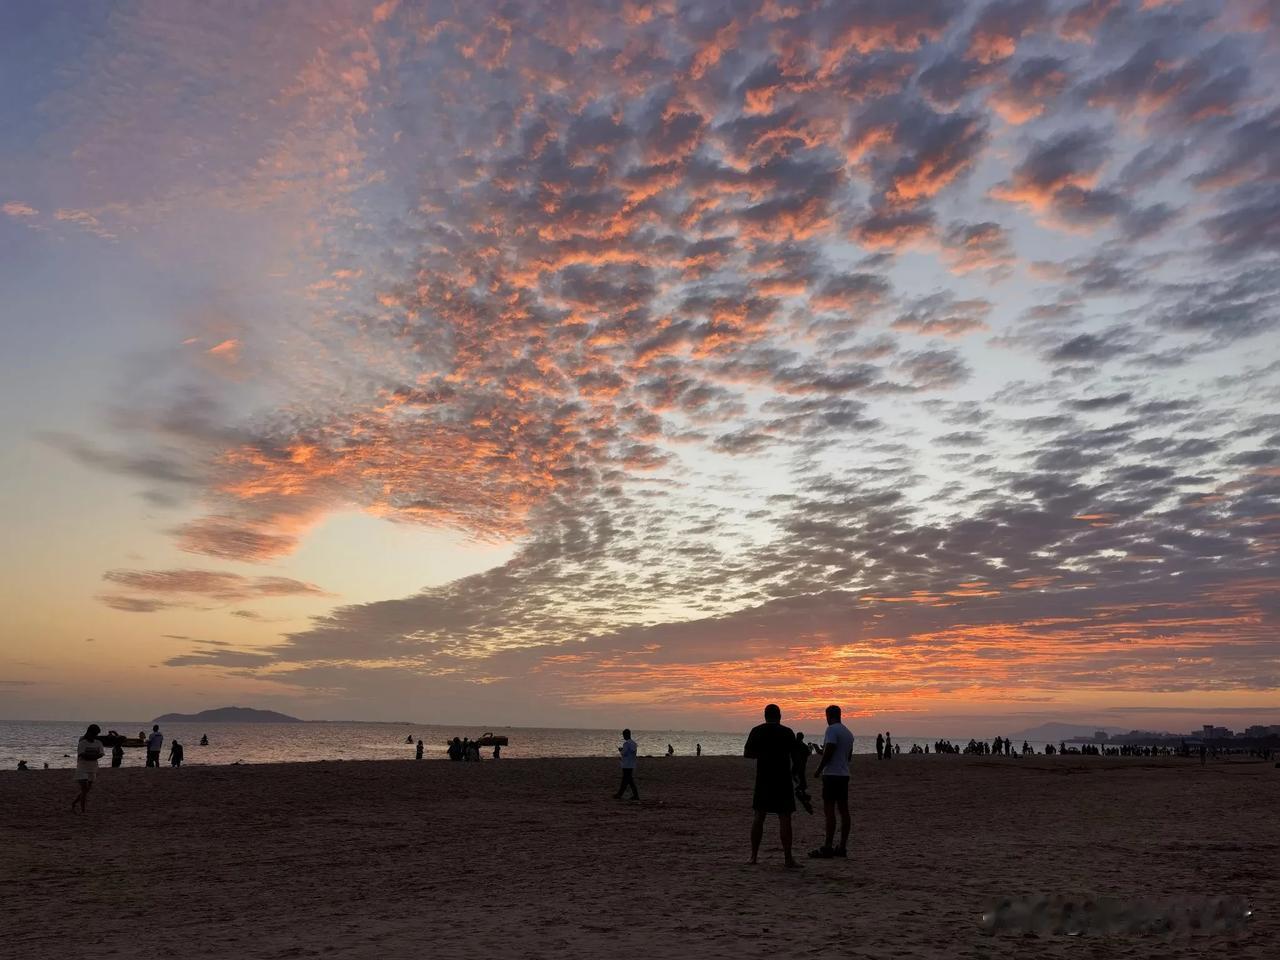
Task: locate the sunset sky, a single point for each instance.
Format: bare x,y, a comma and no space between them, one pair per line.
621,362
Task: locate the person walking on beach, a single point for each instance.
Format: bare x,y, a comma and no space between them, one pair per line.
154,743
417,753
888,746
175,754
879,746
627,759
833,768
697,749
88,752
773,747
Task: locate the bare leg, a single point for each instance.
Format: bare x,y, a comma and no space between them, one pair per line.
757,834
784,830
83,797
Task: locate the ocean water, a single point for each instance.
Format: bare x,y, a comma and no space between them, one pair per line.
53,742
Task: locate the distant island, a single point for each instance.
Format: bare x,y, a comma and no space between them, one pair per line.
1053,732
228,715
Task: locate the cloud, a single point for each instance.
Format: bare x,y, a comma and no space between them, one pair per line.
133,604
1154,80
1091,347
764,335
977,246
941,315
934,369
227,350
221,657
1100,403
230,539
85,221
18,209
1031,89
1058,172
1082,21
1000,25
188,587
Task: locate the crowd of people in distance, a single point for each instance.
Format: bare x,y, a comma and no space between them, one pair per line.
765,744
464,750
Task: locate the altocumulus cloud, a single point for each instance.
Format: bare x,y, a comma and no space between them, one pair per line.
719,313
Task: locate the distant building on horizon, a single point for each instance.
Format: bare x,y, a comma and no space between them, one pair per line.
1263,730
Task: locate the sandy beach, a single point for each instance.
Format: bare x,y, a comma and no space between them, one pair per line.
534,859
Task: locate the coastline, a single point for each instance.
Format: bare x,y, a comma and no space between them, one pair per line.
377,859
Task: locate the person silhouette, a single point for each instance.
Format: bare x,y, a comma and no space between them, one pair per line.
88,752
154,742
671,751
879,746
417,753
833,770
773,747
627,761
888,746
697,749
175,754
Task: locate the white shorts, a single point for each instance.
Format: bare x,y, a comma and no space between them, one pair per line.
86,773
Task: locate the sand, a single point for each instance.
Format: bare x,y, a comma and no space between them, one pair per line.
388,859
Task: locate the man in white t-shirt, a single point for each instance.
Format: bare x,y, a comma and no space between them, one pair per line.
154,743
627,756
837,750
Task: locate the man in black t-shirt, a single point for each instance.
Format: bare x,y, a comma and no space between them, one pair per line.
773,747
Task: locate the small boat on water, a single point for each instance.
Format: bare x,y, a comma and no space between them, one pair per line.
491,740
111,740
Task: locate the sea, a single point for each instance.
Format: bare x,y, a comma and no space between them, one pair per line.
53,743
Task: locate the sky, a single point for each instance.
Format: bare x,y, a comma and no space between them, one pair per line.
637,363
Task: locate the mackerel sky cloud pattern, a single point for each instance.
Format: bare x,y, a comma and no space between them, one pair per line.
910,352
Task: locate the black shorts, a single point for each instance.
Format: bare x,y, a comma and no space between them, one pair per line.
835,788
774,797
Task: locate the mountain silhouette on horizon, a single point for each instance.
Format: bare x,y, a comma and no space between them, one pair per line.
228,715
